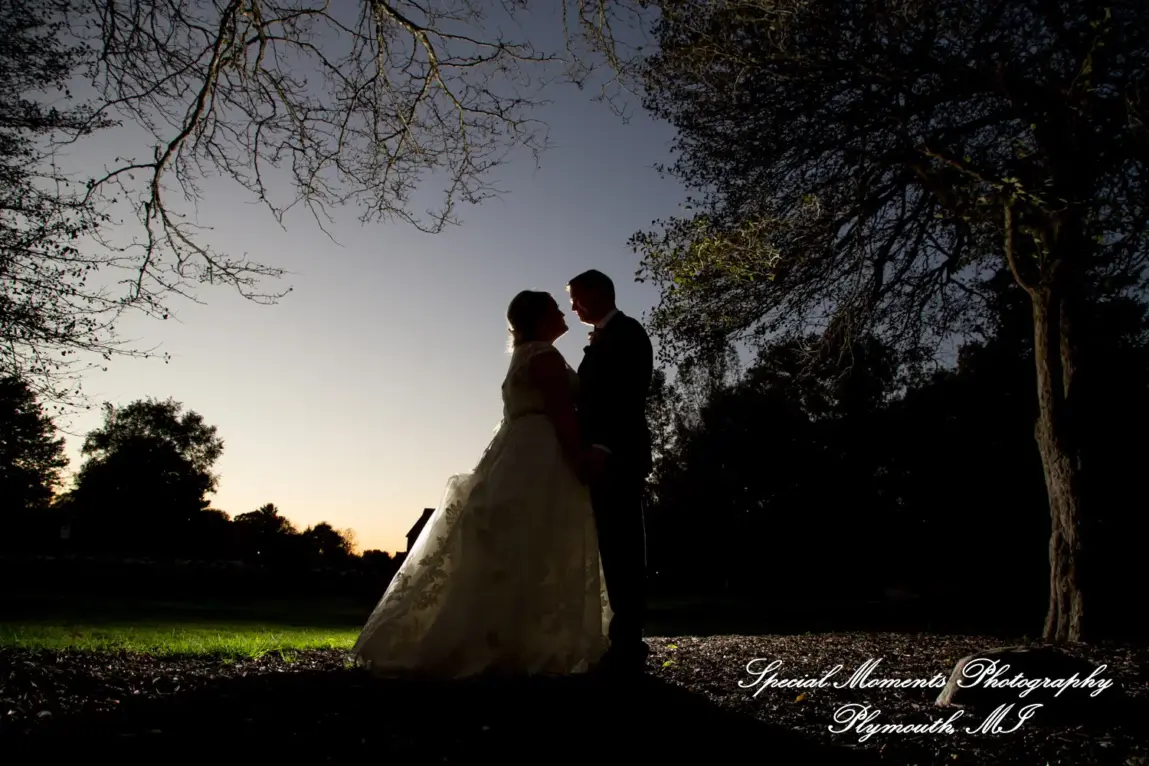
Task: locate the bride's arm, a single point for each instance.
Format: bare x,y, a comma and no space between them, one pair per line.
550,374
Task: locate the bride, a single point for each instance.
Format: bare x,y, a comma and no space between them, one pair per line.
505,576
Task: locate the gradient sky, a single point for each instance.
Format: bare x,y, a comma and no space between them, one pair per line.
356,397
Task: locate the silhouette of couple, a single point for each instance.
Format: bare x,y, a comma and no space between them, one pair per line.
534,563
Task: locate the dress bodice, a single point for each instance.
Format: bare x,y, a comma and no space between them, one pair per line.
520,395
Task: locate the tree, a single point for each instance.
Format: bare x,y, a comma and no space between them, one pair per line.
318,105
377,559
350,540
207,535
48,310
784,451
147,472
266,521
31,454
664,414
266,537
329,545
868,166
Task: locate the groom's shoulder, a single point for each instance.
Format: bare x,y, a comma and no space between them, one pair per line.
624,321
632,326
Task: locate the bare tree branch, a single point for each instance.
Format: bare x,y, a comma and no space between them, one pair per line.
306,103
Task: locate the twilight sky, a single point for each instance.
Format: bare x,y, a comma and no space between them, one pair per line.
354,398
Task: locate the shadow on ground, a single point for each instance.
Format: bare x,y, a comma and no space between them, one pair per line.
721,618
346,717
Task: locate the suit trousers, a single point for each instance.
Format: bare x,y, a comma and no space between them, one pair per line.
617,499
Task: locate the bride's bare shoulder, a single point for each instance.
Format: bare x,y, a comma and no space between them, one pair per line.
533,348
546,362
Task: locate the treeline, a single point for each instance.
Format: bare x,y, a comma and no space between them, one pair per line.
142,493
836,478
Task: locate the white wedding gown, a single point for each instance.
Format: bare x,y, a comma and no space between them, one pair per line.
505,576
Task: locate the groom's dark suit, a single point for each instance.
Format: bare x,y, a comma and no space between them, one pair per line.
614,379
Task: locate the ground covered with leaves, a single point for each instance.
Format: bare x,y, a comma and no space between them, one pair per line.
698,701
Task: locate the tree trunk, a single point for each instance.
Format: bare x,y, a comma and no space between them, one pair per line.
1055,355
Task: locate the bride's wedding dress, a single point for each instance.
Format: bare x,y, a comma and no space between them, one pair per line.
505,576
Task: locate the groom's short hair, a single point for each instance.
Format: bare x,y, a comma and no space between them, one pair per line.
594,281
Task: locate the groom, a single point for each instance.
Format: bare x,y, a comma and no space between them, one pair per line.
614,378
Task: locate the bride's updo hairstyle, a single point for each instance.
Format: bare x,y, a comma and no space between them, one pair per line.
526,313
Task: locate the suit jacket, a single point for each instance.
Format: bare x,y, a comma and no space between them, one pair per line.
614,379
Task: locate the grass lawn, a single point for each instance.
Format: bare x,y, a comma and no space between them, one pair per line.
180,629
251,630
234,640
173,629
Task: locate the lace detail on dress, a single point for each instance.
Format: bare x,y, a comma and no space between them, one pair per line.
506,574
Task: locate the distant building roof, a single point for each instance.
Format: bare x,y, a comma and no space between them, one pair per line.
413,535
